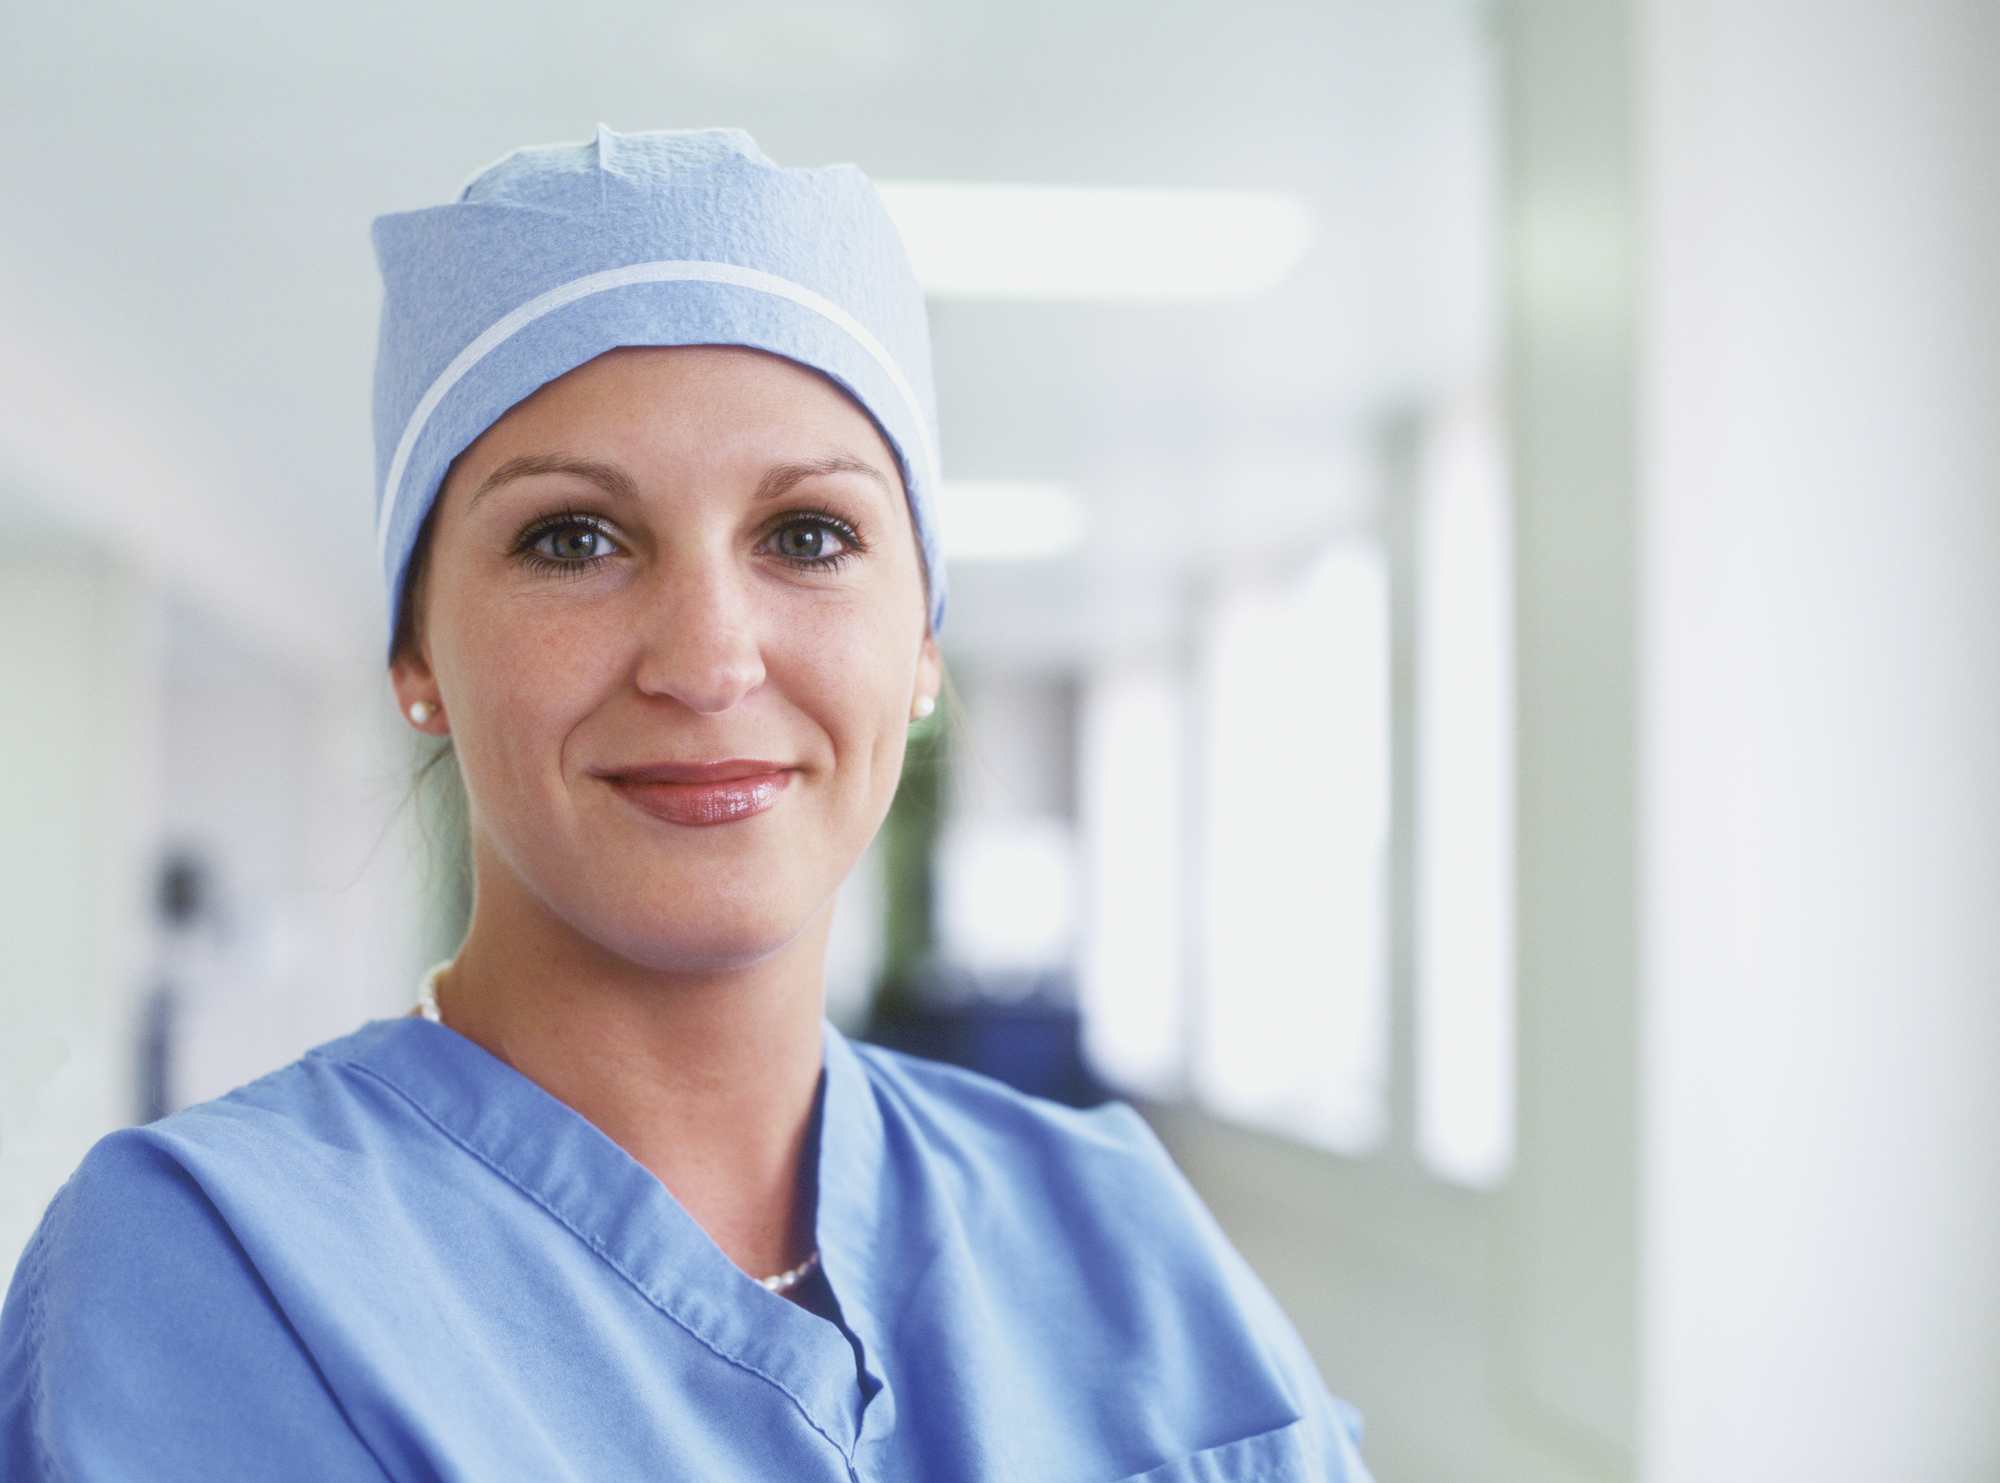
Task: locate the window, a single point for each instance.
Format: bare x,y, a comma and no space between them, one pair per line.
1237,836
1464,834
1294,706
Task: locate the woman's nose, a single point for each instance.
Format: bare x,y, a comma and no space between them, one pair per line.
699,640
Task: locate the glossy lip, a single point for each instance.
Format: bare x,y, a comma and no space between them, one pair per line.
699,795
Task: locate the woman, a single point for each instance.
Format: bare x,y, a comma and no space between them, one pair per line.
655,428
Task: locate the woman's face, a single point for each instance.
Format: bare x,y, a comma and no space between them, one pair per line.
674,620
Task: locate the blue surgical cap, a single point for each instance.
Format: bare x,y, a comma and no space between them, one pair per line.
558,254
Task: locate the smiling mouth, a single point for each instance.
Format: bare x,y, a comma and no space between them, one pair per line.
700,794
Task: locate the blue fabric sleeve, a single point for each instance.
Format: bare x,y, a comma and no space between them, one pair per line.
138,1343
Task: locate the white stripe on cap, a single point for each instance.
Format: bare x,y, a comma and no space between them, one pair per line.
595,283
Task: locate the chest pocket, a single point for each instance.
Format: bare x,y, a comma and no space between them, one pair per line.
1280,1456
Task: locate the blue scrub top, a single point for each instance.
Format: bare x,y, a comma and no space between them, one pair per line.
399,1258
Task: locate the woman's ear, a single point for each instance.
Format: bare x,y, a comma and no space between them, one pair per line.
930,679
417,694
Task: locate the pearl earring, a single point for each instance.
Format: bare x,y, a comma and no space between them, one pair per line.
923,707
421,711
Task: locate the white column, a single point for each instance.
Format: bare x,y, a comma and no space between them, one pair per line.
1821,734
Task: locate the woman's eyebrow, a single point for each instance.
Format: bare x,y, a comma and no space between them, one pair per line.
612,481
785,475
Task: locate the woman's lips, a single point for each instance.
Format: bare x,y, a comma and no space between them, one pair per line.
698,794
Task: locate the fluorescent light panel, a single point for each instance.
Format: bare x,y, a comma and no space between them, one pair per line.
1009,519
1084,243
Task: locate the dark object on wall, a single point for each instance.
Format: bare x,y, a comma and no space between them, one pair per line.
1034,1046
156,1054
184,897
183,891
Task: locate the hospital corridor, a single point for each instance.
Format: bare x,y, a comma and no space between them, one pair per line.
1471,668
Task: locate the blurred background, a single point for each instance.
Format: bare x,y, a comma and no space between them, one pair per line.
1474,529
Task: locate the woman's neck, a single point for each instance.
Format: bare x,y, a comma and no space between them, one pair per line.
708,1080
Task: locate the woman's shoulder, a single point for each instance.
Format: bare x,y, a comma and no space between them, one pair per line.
1100,1172
1047,1219
311,1130
138,1316
970,1129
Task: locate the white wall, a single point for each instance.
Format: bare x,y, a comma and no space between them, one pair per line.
286,782
78,659
1822,1227
129,726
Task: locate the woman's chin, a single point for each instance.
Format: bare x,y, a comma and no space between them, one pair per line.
663,912
686,944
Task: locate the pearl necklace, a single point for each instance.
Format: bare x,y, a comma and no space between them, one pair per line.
786,1281
427,1006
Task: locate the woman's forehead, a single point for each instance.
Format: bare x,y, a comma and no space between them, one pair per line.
707,402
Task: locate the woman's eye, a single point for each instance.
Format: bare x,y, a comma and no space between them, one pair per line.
572,544
810,541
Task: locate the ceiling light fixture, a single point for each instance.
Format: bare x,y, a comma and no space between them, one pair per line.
1085,243
1009,520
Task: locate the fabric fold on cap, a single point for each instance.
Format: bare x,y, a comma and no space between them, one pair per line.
559,253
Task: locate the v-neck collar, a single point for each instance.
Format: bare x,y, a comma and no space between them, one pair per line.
609,1201
862,1247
